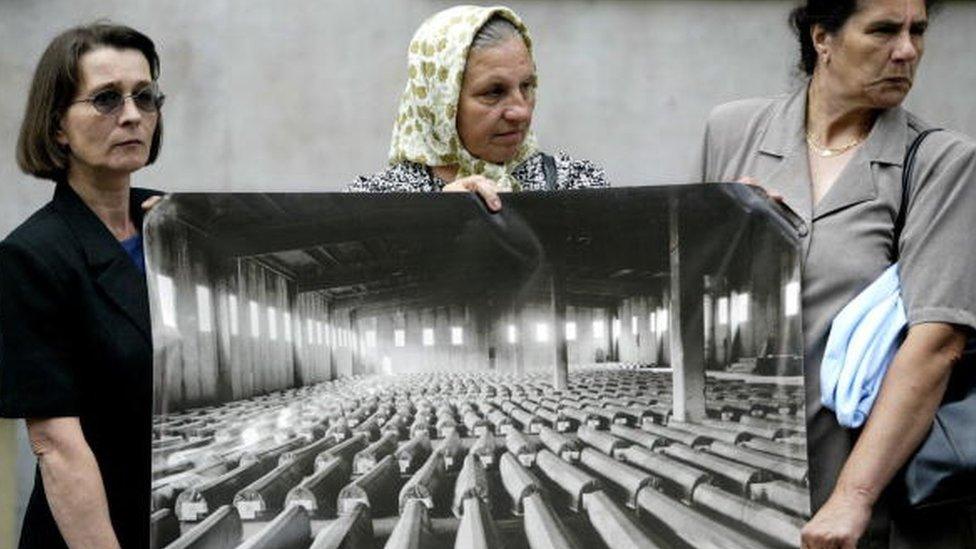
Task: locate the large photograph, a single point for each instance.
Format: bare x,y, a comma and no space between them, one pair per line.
618,368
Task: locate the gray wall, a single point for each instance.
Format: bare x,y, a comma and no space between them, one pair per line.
299,95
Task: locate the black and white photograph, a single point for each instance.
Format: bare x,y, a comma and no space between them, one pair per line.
549,274
591,368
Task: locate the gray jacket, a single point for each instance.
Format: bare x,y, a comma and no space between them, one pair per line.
848,241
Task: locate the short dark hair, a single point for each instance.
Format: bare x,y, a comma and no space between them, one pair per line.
831,15
54,86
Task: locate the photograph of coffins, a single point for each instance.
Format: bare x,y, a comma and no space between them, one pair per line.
603,369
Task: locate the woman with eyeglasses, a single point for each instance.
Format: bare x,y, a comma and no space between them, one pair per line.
464,121
75,348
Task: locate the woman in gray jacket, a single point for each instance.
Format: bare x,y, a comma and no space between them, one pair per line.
833,151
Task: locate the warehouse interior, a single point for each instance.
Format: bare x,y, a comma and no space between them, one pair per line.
401,321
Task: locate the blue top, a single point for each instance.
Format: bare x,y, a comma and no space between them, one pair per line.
133,247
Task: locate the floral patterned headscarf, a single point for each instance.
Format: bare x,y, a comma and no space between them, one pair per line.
425,130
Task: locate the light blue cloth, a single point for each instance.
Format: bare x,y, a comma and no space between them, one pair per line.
863,340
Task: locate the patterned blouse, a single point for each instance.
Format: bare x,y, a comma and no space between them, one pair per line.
413,177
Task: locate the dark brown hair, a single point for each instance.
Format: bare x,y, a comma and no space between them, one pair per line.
831,16
54,87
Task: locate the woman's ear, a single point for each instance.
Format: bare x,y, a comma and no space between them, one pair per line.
822,42
59,134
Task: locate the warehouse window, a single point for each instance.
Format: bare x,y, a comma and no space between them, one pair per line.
272,323
204,317
387,366
371,338
167,300
457,335
723,311
740,308
255,328
652,322
232,313
512,334
286,324
615,329
428,336
633,325
597,329
662,321
792,305
399,338
541,332
570,331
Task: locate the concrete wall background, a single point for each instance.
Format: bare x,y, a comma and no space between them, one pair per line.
300,95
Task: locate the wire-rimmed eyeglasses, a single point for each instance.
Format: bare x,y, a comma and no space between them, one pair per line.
148,100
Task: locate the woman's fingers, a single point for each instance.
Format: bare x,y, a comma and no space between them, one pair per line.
477,184
148,203
755,183
838,524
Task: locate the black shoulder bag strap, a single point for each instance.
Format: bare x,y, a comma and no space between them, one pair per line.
943,469
907,167
549,170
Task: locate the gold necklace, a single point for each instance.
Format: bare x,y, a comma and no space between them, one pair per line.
827,152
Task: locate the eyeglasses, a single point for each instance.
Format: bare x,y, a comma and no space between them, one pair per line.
148,100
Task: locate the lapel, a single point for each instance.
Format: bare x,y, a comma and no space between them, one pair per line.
858,182
784,142
109,265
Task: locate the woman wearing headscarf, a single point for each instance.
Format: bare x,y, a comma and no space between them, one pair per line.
464,121
833,152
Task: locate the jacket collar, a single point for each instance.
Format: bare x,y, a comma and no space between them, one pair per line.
888,140
786,132
110,266
785,138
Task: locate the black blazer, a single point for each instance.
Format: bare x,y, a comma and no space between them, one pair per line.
75,341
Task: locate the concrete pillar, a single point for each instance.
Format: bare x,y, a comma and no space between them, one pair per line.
355,342
613,343
561,358
521,338
330,354
709,306
686,330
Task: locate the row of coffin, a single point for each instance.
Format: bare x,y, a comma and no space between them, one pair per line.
351,456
